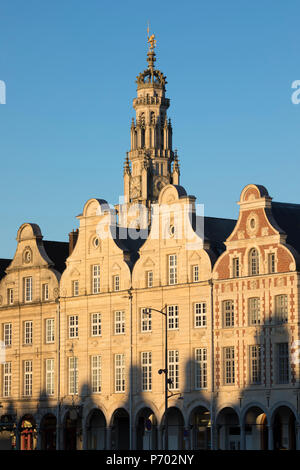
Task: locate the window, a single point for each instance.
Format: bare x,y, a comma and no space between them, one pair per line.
28,332
119,373
27,289
228,314
200,368
253,262
281,308
96,278
149,278
271,262
73,326
200,314
255,364
45,291
7,334
96,324
119,322
173,369
146,363
282,363
146,320
116,281
10,296
75,288
195,273
173,320
254,311
27,378
235,267
96,373
229,366
7,379
172,269
50,330
73,375
49,366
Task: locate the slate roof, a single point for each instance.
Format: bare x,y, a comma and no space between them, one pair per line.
3,265
216,231
58,252
287,217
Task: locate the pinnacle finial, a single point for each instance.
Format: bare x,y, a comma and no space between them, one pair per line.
151,40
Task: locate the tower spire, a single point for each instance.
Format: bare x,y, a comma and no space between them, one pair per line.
150,164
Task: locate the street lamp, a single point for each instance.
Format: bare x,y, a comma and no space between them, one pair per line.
148,311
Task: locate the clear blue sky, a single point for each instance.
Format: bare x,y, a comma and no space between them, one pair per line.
70,69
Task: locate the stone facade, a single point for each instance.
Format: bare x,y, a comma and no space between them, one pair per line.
83,325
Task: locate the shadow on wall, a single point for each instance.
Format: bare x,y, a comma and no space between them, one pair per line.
263,418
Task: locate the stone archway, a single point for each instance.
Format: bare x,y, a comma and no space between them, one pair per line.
48,432
72,431
256,429
96,430
200,428
146,430
120,430
284,429
175,424
28,433
228,429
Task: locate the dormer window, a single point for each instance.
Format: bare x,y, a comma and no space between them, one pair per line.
235,267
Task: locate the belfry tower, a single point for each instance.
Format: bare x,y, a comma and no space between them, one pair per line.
151,162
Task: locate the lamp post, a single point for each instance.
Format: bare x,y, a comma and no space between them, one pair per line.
148,311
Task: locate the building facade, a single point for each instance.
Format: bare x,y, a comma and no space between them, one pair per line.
155,325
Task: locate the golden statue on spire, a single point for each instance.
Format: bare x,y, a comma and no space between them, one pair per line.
151,40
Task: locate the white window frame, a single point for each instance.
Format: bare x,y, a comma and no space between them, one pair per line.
7,379
10,296
255,364
195,273
7,334
75,288
96,373
149,279
253,262
228,313
116,282
28,332
119,318
236,269
282,363
96,278
229,365
27,289
49,376
96,324
146,320
27,367
49,330
173,317
253,311
271,263
45,291
200,314
281,308
73,375
119,373
146,367
73,322
200,368
173,369
172,269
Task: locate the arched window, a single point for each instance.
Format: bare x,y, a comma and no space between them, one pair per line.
253,262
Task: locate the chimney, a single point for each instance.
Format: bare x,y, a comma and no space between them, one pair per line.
72,240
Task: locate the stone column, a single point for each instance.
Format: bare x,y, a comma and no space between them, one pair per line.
108,438
243,438
270,437
297,436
